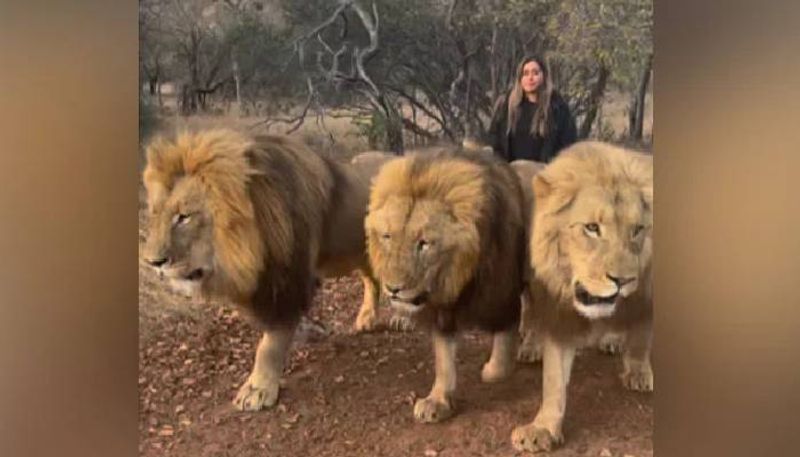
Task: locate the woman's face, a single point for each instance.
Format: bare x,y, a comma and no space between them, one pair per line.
532,77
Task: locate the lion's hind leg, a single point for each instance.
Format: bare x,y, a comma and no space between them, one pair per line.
501,363
638,373
530,348
611,343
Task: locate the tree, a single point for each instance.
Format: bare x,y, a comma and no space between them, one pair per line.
598,42
417,70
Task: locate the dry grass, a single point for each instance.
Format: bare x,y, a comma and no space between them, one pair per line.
340,137
337,136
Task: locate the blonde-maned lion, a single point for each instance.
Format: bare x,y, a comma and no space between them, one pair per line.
591,250
254,220
446,238
530,348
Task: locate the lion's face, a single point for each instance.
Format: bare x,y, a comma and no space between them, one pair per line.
420,252
607,244
592,240
180,238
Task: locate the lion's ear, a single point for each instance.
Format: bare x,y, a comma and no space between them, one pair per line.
551,196
155,150
641,170
541,186
155,180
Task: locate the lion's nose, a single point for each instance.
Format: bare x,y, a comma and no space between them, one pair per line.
392,289
157,262
619,281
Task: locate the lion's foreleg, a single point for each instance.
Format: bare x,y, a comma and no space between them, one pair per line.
501,362
637,373
368,314
438,406
545,431
261,388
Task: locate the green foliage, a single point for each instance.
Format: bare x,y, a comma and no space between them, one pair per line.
373,129
616,34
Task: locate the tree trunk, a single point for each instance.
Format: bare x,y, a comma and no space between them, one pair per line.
191,93
394,132
237,82
595,98
468,130
494,60
636,118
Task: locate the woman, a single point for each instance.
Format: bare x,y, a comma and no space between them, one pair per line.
532,122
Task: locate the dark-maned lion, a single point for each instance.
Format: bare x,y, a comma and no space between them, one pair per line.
254,221
591,250
446,238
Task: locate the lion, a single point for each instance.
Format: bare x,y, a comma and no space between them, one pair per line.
591,253
530,349
255,220
446,239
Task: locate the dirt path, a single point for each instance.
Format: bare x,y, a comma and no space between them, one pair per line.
352,395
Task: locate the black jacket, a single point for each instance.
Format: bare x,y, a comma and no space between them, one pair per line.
562,133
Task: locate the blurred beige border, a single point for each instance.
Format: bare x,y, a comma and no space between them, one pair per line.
728,253
68,238
727,350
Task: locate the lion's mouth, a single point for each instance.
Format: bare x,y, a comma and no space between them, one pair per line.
417,300
584,297
194,275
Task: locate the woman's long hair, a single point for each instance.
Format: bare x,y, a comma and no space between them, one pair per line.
544,94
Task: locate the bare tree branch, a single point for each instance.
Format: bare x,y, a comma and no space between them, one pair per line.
414,127
419,105
299,44
372,29
296,120
448,22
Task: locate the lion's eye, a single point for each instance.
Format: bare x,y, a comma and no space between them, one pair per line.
181,218
637,230
422,245
386,237
592,229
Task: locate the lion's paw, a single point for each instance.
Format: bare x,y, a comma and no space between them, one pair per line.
254,398
401,323
532,438
496,372
611,344
429,410
638,379
529,351
366,320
